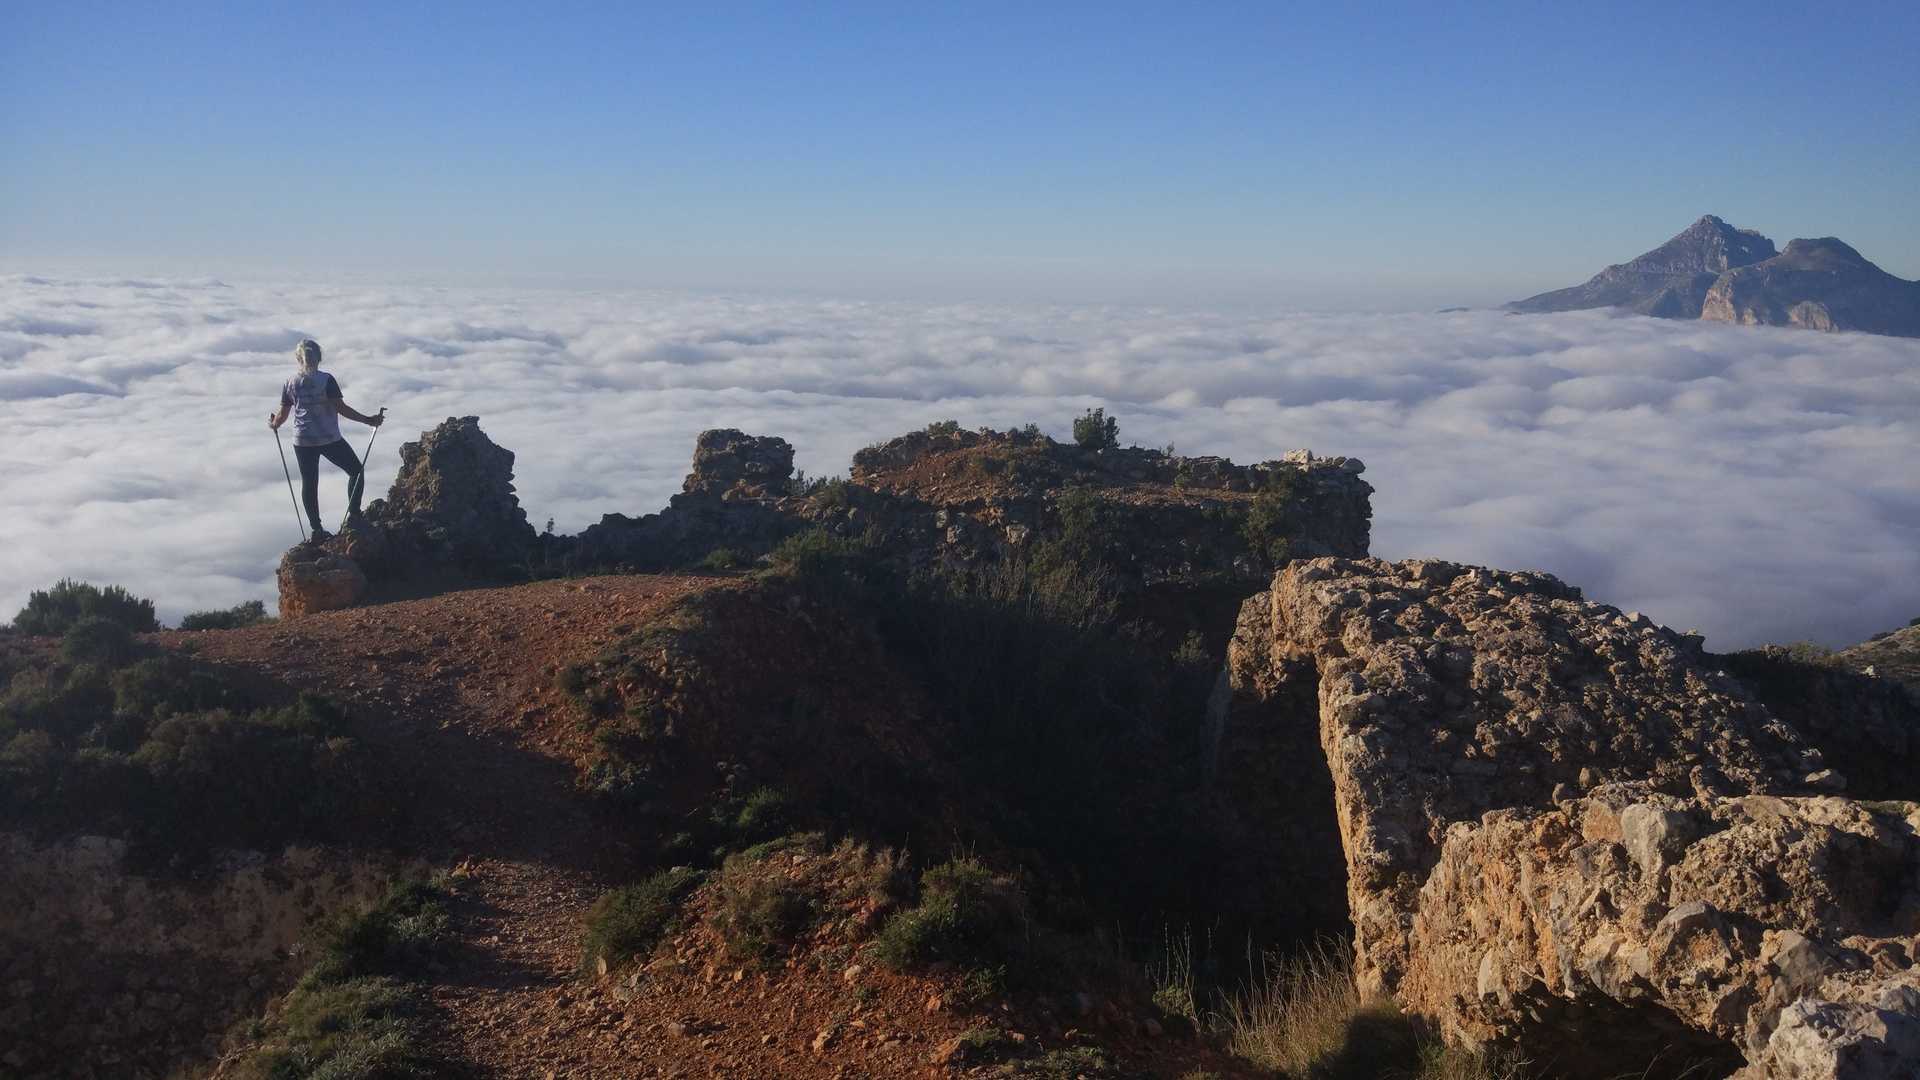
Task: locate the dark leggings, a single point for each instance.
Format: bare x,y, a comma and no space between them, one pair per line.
340,454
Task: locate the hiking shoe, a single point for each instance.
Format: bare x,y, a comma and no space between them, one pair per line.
319,535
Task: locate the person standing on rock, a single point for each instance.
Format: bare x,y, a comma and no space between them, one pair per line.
312,398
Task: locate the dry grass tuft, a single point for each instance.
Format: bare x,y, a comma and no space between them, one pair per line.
1306,1020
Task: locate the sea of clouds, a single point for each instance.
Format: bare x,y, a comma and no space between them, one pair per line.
1759,484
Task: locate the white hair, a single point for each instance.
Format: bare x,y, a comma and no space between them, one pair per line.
307,355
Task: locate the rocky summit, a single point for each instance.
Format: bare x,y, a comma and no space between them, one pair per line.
1670,282
1716,272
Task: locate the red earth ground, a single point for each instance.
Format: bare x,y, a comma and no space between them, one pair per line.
465,682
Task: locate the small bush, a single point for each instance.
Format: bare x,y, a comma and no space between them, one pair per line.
1071,1063
766,813
982,1044
721,559
966,916
362,1029
1268,521
1097,431
944,427
390,938
813,553
97,640
54,610
761,910
833,493
251,613
629,922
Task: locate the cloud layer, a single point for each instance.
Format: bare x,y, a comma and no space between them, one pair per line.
1758,484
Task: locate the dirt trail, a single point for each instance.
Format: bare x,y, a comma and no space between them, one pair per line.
465,682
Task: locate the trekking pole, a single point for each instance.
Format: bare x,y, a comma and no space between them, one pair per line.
359,484
289,474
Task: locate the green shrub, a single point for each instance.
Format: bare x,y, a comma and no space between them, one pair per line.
250,613
362,1029
721,559
761,910
629,922
764,814
832,493
390,938
966,917
1268,522
1069,1063
814,553
944,427
97,640
54,610
1097,431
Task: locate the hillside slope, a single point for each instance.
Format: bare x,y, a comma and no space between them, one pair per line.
472,676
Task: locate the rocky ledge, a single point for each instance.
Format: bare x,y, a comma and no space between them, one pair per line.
945,498
1569,830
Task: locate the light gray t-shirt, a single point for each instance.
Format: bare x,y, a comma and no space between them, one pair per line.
312,396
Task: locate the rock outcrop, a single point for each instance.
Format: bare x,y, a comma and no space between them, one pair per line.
1702,930
450,516
737,496
1671,281
453,501
1560,820
1819,285
1894,656
1158,519
965,498
313,578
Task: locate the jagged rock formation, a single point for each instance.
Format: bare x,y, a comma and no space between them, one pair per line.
1716,272
737,496
1567,828
1893,656
453,500
451,515
1820,285
965,497
731,465
313,578
1671,281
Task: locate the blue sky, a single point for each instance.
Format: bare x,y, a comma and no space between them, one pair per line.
1301,155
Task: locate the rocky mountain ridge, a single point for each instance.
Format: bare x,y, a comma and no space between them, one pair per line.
1111,685
1714,271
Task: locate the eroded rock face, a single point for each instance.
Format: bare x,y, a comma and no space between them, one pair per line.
1821,284
1159,519
1685,928
1566,828
453,502
313,578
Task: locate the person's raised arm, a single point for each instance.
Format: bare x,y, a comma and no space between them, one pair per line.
340,406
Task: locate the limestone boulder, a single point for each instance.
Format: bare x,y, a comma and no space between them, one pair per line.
1569,830
312,578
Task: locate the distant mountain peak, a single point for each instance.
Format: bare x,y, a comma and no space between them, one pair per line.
1670,281
1721,272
